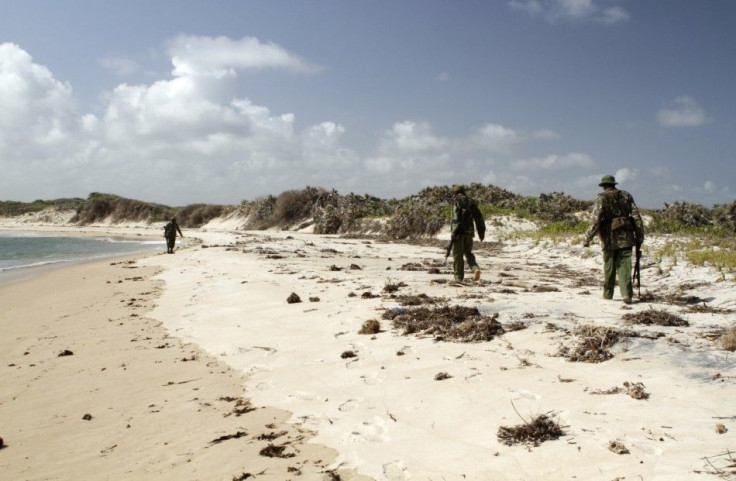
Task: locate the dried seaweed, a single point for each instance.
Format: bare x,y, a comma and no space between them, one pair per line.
419,299
456,323
371,326
594,343
390,287
617,447
226,437
533,433
636,390
293,298
655,317
273,451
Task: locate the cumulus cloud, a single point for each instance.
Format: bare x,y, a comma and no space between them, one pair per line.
571,10
223,56
625,174
685,112
191,138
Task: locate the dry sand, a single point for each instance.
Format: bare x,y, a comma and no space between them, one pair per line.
383,410
78,343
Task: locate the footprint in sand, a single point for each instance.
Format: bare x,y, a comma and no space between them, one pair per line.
371,379
395,471
373,431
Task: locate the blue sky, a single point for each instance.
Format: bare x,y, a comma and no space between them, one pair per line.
218,101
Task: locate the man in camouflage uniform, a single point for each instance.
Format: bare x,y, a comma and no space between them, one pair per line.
170,231
617,222
465,213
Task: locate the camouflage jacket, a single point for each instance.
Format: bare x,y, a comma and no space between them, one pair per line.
616,220
170,230
465,213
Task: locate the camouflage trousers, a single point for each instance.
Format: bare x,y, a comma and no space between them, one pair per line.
463,247
617,261
170,242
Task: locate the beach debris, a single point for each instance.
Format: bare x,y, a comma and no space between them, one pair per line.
419,299
348,355
534,433
393,287
314,299
613,390
371,326
723,465
334,268
721,429
331,475
65,352
227,437
636,390
676,298
447,323
728,339
355,267
593,344
617,447
87,417
434,270
2,443
242,406
273,451
293,298
352,294
441,376
270,436
368,295
542,288
243,477
655,317
412,266
515,326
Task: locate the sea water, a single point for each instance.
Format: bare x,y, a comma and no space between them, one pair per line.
26,252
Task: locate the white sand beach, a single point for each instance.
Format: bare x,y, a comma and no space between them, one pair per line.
222,300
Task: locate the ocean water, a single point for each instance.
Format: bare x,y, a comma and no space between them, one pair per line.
26,252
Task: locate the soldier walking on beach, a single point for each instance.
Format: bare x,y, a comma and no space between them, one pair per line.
617,222
465,213
170,230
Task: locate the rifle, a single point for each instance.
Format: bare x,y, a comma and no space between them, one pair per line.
637,269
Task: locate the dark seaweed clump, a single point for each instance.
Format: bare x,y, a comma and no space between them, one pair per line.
448,323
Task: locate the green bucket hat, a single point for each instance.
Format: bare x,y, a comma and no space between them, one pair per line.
607,180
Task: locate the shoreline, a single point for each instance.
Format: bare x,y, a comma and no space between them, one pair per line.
127,399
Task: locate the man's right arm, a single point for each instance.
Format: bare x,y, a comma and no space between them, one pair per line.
595,221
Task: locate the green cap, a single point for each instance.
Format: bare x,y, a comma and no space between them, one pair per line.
608,180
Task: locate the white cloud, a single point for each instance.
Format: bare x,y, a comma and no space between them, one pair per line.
571,10
222,56
443,77
685,112
554,162
120,66
411,137
625,174
710,186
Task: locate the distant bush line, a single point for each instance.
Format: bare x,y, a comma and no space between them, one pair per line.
422,214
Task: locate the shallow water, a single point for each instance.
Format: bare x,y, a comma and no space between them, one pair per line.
25,252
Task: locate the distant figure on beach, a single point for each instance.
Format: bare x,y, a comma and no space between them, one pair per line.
465,213
617,222
170,230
